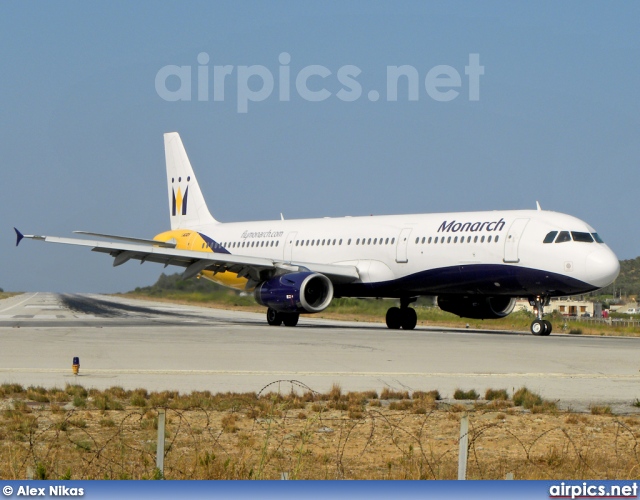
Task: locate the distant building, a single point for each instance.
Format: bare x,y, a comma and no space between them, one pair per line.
566,306
628,308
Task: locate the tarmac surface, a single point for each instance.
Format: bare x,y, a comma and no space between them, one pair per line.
160,346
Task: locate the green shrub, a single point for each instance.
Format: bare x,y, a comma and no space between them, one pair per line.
460,394
431,395
527,399
391,394
496,394
79,401
600,410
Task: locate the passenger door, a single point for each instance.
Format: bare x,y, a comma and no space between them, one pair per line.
513,240
401,247
289,242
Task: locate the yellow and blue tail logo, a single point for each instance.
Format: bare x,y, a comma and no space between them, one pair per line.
187,206
179,201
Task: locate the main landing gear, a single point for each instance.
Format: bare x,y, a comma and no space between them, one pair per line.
275,318
540,326
404,317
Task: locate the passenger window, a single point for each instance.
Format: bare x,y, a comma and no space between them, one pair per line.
597,238
358,241
417,240
582,237
489,239
375,241
468,239
436,240
496,240
386,242
277,243
563,236
475,240
393,240
482,239
550,237
369,242
449,239
429,240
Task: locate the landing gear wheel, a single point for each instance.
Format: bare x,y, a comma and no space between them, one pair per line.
538,327
290,319
274,318
394,318
409,318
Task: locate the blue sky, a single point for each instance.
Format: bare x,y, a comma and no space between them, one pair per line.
557,119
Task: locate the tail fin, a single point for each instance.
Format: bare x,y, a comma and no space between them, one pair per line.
187,208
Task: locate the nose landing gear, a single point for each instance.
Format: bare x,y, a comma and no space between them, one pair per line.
540,326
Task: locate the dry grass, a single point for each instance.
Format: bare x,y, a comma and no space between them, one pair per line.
341,435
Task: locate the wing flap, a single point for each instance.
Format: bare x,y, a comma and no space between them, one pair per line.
165,244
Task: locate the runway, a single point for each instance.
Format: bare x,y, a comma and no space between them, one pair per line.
160,346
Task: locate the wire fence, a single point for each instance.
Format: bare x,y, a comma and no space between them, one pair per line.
605,321
288,429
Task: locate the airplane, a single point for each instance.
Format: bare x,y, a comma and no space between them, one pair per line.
475,263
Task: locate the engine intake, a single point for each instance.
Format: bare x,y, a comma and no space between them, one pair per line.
477,306
296,292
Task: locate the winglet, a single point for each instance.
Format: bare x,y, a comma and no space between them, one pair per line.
19,236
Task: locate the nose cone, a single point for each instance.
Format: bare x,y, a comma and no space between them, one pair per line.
602,267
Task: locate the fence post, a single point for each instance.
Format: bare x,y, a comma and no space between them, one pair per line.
464,447
160,447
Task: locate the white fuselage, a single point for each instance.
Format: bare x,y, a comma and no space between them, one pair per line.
494,252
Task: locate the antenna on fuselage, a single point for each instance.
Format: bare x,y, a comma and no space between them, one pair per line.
538,206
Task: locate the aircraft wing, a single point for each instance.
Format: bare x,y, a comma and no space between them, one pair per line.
255,269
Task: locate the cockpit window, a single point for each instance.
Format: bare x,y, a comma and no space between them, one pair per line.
563,236
597,238
550,237
582,237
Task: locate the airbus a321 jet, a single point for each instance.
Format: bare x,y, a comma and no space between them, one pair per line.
476,263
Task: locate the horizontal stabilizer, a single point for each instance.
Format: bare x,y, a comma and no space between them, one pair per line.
19,236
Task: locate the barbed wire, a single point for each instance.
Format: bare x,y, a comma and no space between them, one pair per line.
312,436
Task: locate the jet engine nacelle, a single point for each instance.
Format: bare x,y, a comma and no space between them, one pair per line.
296,292
477,306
